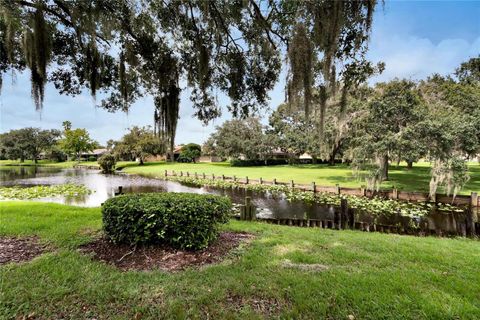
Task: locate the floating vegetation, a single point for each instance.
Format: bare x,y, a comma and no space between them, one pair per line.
375,206
36,192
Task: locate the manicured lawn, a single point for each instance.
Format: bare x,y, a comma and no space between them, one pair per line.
416,179
369,276
66,164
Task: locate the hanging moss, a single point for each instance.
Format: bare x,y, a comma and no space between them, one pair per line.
330,31
122,74
300,54
93,67
37,50
167,105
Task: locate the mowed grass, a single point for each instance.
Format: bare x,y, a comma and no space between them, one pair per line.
416,179
28,163
368,275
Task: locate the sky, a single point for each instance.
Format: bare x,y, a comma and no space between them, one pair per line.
414,38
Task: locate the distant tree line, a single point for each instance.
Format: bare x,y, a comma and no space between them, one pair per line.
35,143
371,127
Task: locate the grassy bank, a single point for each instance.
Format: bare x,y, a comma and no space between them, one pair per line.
416,179
46,163
368,275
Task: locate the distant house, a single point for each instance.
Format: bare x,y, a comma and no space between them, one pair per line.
96,153
176,152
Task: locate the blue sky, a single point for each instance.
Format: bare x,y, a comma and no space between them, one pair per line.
413,38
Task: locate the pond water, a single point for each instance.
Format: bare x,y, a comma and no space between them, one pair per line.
268,205
104,187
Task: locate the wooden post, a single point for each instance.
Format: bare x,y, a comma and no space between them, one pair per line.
314,187
174,173
223,177
203,174
475,208
166,173
246,180
196,175
274,181
261,180
213,176
395,193
234,178
343,213
181,173
188,174
363,191
338,188
249,209
292,184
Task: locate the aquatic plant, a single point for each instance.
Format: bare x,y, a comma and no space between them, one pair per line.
37,192
375,206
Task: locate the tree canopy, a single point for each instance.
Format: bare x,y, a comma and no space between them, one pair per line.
137,144
127,49
27,143
76,141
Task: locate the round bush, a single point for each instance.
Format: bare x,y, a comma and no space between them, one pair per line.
181,220
107,163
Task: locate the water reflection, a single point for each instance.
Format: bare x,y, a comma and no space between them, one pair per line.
269,205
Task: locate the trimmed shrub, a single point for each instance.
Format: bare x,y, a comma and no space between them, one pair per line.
257,163
181,220
107,163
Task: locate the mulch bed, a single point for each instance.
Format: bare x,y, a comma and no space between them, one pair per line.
162,257
17,250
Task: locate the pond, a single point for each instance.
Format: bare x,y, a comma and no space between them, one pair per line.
104,187
268,205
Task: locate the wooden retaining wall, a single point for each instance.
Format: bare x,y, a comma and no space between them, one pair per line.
472,200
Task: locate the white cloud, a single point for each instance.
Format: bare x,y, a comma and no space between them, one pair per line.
417,58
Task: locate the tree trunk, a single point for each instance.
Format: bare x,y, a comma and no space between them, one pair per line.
314,160
141,161
385,167
333,154
22,159
331,159
409,164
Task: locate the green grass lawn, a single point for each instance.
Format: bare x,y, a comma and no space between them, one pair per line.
369,276
66,164
416,179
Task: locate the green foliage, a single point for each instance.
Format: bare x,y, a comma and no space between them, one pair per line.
469,71
138,143
375,206
107,163
241,138
451,173
190,152
181,220
28,143
36,192
256,163
370,273
76,141
290,130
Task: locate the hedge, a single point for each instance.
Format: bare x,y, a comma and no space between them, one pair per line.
256,163
181,220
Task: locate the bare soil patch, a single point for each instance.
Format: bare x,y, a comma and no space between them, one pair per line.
14,249
267,306
162,257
